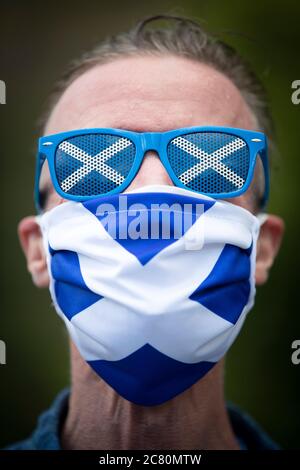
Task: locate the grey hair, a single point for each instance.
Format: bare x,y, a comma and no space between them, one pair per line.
183,38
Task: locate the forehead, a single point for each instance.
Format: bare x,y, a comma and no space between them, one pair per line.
150,93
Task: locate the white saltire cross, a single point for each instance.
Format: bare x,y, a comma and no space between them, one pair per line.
127,315
96,162
207,161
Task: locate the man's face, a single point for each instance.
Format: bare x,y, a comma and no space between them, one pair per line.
151,94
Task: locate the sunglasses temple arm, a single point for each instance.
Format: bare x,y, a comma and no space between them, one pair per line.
265,162
40,159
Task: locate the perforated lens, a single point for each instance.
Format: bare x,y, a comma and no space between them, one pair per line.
93,164
210,162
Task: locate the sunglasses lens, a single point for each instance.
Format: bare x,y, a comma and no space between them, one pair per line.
93,164
210,162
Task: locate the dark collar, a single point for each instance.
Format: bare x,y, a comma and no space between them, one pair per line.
46,436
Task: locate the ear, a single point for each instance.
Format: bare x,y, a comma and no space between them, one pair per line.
32,244
268,244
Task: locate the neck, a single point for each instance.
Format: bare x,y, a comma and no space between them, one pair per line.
99,418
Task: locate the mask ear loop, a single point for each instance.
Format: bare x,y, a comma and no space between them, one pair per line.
262,217
38,219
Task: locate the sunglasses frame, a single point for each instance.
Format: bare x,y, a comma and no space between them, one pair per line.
155,141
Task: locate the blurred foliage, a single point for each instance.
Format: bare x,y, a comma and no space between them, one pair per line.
37,40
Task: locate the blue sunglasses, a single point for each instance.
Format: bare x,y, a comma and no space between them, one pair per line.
215,161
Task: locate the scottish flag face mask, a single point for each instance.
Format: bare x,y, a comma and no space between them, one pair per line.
153,285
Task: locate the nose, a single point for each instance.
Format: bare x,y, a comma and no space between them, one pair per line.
151,171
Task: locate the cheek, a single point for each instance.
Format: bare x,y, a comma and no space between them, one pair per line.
250,200
53,200
246,200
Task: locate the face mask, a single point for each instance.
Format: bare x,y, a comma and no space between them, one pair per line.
151,308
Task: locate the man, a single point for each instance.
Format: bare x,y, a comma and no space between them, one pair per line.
147,81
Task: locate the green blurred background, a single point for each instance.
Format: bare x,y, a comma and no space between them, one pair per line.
37,40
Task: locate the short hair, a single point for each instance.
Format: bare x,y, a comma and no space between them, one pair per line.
183,37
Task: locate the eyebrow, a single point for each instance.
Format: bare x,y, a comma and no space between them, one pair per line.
139,129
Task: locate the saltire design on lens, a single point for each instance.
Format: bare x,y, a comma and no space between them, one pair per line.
221,165
218,162
99,169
